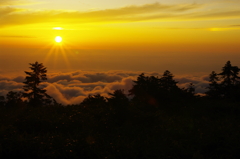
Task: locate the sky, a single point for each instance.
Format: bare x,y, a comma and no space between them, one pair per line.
190,38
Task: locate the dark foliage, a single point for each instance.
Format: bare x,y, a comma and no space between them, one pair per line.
225,85
153,90
14,99
229,75
196,129
2,101
161,121
118,104
190,91
94,100
214,87
36,95
118,97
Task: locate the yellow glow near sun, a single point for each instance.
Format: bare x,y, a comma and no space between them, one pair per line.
58,39
57,28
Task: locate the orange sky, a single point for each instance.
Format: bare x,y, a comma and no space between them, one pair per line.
107,44
129,35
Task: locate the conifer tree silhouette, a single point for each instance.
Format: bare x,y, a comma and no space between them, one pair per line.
152,89
229,74
169,90
225,84
36,96
145,88
214,86
230,80
118,97
118,103
191,89
167,82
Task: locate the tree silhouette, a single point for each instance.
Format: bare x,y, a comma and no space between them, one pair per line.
145,89
36,96
2,101
190,91
96,106
118,98
225,84
229,75
153,90
118,103
14,98
214,86
230,81
94,101
167,82
169,88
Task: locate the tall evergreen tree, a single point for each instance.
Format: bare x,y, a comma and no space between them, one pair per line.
225,84
167,82
169,91
230,81
214,87
229,75
145,88
35,94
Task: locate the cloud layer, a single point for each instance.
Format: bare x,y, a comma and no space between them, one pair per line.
133,13
73,87
13,2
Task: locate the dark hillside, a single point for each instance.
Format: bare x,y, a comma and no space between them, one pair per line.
197,129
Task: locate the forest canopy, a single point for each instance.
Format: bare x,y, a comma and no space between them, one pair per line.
154,119
145,89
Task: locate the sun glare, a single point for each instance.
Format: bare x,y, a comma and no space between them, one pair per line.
58,39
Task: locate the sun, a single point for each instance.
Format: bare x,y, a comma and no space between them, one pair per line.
58,39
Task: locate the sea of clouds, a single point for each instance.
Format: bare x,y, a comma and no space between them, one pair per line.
73,87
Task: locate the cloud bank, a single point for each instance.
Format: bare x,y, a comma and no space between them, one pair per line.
73,87
14,2
133,13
